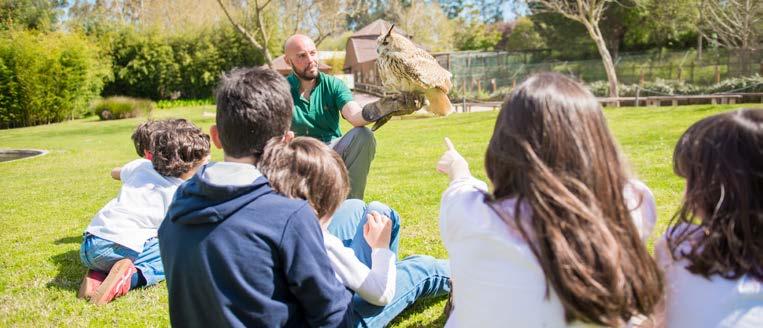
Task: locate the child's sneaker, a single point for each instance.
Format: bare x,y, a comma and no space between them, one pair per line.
90,283
116,284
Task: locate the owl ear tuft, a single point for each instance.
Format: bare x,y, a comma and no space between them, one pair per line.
390,31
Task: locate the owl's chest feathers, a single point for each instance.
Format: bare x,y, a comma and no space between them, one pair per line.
396,75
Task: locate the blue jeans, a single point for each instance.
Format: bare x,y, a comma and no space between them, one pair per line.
417,276
100,254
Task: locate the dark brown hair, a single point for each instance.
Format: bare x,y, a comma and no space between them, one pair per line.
552,150
141,137
178,147
253,105
721,158
308,169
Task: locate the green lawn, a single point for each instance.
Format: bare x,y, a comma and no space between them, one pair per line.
46,202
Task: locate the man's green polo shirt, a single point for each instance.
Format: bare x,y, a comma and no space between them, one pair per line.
318,117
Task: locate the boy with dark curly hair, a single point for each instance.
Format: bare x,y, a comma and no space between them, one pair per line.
120,246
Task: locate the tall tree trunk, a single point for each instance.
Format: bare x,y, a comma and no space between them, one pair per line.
606,58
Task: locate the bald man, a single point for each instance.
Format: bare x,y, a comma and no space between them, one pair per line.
320,99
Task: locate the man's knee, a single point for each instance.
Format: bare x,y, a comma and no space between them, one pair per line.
362,135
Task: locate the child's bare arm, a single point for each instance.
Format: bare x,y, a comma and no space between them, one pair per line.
116,173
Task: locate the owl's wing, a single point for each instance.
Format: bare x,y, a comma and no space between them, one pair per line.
421,68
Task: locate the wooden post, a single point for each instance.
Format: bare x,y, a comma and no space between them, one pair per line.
492,82
513,84
463,104
641,78
678,77
717,74
479,87
638,94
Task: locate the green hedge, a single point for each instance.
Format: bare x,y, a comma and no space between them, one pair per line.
672,87
153,65
114,108
47,78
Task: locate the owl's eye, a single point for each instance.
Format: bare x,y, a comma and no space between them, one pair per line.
384,43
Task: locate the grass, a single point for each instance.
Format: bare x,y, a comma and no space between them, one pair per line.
46,202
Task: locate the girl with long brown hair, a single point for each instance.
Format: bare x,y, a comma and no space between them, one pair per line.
560,240
712,253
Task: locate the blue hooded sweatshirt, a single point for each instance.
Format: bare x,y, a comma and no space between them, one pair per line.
241,255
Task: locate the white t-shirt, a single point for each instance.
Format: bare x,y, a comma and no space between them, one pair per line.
497,280
693,301
375,285
135,215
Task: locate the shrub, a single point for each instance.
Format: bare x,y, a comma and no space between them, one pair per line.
114,108
162,104
151,64
673,87
46,78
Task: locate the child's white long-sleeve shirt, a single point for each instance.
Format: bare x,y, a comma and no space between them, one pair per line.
375,285
498,281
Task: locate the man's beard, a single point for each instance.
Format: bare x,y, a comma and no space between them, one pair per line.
305,75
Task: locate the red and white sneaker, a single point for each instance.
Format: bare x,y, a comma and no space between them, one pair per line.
117,283
90,283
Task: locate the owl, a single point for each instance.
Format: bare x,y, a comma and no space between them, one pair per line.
404,67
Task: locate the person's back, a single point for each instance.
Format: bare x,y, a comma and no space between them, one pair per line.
713,252
120,247
236,253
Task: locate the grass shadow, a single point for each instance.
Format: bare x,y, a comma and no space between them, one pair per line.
70,271
421,306
68,240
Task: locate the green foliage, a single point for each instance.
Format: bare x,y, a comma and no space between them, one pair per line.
523,36
674,87
336,63
428,26
115,108
149,64
40,15
164,104
46,78
475,36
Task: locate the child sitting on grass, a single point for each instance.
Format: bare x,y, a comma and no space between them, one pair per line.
120,248
712,254
361,241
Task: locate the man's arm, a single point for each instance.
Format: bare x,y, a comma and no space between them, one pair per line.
353,113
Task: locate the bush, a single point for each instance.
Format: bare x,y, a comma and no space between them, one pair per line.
114,108
162,104
153,65
46,78
661,87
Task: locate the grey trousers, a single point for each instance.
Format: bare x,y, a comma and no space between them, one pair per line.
357,149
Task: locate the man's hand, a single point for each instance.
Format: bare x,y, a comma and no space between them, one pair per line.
383,109
378,230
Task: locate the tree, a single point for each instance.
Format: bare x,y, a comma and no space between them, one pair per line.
428,25
734,24
320,19
260,38
41,15
588,13
520,35
472,34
